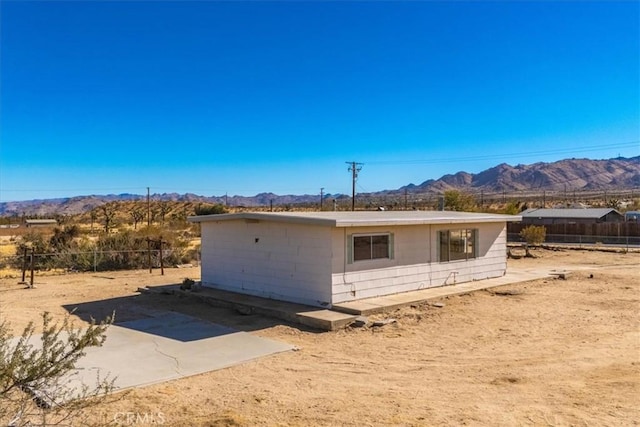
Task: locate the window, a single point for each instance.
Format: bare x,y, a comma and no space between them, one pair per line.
457,244
371,246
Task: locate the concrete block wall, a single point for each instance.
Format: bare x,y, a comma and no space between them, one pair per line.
275,260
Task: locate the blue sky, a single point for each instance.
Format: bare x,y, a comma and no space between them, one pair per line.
240,97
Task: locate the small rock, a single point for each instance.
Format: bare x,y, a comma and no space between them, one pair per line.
507,292
438,304
379,323
360,322
245,310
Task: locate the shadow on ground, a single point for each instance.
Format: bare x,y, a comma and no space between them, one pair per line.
130,312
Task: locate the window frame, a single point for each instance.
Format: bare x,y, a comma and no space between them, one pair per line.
352,247
463,239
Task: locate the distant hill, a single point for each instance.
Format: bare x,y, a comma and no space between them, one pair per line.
574,174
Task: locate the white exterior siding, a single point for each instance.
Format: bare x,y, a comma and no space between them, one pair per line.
305,257
287,261
415,263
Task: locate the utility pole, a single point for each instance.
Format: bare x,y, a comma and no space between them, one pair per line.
354,168
405,199
148,208
321,196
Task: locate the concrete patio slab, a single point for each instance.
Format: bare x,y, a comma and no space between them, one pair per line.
166,347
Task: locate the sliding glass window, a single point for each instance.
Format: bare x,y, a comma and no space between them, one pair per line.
457,244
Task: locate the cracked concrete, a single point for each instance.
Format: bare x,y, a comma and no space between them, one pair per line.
166,347
175,359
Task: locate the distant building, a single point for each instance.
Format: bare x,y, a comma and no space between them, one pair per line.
31,223
632,216
570,216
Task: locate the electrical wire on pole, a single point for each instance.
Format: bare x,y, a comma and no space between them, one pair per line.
354,168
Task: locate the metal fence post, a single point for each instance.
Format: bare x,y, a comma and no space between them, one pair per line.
31,265
24,265
149,252
161,262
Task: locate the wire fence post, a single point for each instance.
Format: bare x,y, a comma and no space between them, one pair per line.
149,254
161,262
24,265
627,238
32,267
95,260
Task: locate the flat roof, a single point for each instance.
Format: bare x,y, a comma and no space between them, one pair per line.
362,218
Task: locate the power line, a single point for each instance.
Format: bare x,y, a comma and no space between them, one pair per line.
507,155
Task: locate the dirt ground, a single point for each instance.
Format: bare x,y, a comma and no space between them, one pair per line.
547,352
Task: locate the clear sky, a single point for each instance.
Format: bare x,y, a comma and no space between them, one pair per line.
242,97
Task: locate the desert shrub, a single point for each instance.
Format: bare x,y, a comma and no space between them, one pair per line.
63,238
34,385
455,200
121,251
208,209
534,235
512,208
39,244
111,251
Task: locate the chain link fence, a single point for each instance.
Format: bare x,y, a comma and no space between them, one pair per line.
97,260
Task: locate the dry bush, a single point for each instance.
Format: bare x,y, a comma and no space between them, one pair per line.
534,235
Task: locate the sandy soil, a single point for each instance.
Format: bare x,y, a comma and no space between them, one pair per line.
553,352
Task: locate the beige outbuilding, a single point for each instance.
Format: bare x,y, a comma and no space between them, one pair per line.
325,258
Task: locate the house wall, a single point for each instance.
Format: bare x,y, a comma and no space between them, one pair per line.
415,262
269,259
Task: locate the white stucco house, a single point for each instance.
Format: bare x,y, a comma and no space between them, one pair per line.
325,258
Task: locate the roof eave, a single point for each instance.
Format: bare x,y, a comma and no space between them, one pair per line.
340,223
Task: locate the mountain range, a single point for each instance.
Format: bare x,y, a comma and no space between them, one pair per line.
577,174
574,174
